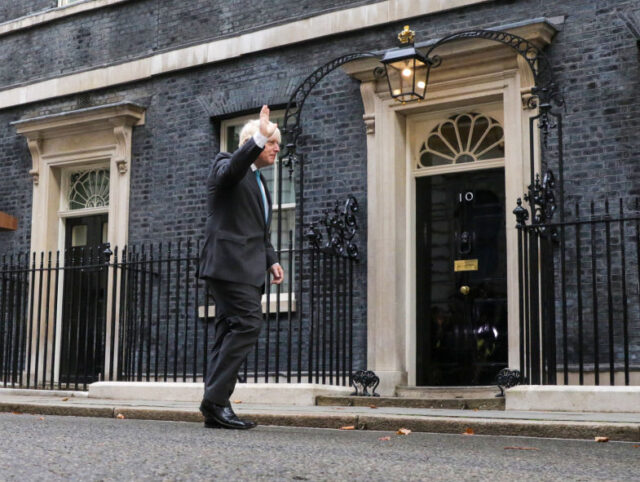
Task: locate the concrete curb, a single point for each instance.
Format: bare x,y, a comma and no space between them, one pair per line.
629,432
55,409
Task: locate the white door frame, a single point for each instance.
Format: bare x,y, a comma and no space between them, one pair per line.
84,138
391,307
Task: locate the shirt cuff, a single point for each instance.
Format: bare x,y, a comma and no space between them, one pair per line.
260,140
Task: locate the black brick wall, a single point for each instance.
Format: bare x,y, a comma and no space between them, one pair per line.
595,59
12,9
137,29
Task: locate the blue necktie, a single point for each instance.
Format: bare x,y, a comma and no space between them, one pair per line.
264,196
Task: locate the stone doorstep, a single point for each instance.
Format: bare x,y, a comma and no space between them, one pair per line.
404,402
455,425
298,394
447,392
563,398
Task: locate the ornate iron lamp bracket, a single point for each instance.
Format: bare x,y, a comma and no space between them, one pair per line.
545,93
340,227
292,127
542,199
362,381
546,90
507,378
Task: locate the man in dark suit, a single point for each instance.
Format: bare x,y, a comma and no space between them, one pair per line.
237,253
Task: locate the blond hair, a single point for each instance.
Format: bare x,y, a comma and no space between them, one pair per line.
253,126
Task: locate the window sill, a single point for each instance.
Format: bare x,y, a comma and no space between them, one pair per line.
284,305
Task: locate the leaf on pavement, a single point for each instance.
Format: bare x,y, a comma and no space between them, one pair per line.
602,439
16,413
41,418
237,401
403,431
521,448
636,446
373,406
384,439
469,431
348,427
120,416
65,399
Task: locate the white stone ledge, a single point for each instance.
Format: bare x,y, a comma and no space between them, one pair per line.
51,14
262,393
318,26
42,393
273,305
566,398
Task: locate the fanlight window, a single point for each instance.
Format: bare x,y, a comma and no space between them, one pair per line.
463,138
89,189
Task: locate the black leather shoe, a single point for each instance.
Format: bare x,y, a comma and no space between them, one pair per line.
231,414
211,423
223,416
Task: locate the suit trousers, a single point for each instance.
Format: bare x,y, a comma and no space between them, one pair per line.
238,322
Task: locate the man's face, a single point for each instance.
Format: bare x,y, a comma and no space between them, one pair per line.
268,156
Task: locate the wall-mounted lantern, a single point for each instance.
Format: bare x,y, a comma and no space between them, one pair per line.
407,69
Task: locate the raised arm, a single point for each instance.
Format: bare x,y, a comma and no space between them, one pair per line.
228,170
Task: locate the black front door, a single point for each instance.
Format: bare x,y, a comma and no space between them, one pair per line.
84,300
461,278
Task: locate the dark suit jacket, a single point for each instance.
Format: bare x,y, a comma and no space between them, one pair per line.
237,247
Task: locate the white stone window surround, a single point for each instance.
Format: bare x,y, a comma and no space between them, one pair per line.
83,138
86,138
473,74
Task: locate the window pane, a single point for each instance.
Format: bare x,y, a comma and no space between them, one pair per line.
479,128
429,159
233,138
269,174
288,224
448,132
288,189
79,235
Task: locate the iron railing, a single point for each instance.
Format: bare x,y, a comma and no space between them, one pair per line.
580,296
141,314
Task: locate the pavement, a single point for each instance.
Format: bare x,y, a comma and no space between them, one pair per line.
568,425
51,448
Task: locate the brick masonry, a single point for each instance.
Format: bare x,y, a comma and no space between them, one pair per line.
594,56
19,8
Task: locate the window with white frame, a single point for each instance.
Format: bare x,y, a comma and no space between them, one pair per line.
88,189
462,138
229,140
85,190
